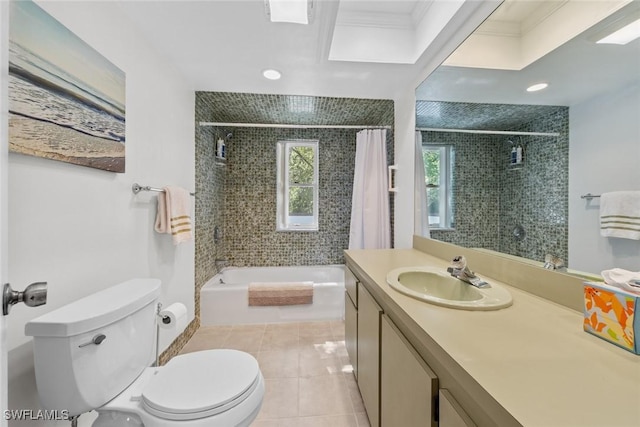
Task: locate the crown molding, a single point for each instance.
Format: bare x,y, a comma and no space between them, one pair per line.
375,20
520,25
419,11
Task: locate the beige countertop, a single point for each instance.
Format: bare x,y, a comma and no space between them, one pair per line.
532,358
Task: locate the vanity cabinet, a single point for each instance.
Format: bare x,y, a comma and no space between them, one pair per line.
397,386
451,413
351,319
409,388
368,350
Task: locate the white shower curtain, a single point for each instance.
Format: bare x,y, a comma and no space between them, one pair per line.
421,214
370,220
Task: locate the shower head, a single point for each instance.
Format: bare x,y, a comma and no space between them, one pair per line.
229,135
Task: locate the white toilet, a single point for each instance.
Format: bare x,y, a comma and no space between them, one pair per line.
94,354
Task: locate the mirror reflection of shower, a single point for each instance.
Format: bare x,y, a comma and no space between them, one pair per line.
222,137
503,179
516,154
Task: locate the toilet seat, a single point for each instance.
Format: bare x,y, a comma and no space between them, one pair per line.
201,384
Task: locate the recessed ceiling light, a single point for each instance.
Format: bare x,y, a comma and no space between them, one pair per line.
271,74
536,87
624,35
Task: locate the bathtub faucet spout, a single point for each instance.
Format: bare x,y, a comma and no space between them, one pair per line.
220,264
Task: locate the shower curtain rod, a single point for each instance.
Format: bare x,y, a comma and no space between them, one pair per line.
492,132
291,126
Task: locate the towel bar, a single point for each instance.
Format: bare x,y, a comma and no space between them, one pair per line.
136,188
589,196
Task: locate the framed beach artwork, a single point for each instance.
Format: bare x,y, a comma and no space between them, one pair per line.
66,100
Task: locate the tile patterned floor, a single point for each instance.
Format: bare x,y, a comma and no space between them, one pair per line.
308,377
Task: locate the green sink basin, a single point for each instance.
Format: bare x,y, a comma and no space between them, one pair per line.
433,286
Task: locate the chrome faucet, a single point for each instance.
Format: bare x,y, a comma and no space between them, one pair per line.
552,262
459,270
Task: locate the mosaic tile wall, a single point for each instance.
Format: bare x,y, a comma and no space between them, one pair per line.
468,115
491,197
240,196
231,107
475,189
209,210
536,195
250,214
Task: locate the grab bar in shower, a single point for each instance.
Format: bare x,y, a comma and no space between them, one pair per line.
136,188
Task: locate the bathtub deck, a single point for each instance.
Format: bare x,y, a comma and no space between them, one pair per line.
308,376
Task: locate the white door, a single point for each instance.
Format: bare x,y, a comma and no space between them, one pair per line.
4,147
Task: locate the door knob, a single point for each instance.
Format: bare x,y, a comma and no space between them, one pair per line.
34,295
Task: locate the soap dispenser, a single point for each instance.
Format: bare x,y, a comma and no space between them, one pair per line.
519,153
221,149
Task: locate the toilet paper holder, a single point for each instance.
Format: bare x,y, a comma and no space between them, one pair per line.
169,318
163,317
165,320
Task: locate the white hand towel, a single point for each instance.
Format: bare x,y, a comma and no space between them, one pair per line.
623,279
620,214
174,214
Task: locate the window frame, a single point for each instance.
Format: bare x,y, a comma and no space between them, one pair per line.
445,186
283,218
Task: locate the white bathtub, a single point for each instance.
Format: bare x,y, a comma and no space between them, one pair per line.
224,298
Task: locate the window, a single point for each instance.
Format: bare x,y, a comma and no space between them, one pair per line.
438,171
297,185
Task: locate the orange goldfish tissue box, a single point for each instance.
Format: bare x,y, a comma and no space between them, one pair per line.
610,314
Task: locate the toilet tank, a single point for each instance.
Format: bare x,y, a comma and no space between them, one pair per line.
76,377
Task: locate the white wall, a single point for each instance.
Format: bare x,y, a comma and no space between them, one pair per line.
82,229
604,155
405,124
464,22
4,146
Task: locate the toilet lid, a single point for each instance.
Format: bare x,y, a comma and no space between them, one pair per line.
201,384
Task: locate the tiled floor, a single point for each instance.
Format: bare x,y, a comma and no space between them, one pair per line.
307,373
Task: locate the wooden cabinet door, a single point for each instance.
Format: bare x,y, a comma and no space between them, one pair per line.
351,285
408,386
369,354
351,332
451,413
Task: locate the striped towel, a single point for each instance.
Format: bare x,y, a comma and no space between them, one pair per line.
174,214
620,214
281,293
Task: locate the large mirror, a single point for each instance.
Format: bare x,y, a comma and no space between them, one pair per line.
510,170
